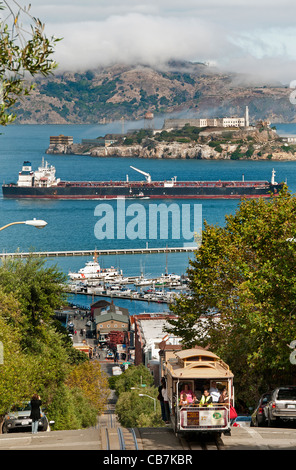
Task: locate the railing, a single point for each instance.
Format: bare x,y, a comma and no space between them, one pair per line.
125,251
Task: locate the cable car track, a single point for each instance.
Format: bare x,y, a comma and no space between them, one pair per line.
207,441
113,436
121,439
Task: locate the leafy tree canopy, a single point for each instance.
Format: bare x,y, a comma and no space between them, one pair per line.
38,289
243,280
24,50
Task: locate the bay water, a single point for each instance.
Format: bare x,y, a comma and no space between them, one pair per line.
71,224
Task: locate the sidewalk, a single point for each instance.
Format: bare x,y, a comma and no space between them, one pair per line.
82,439
249,438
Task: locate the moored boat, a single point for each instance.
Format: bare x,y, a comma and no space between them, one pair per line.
93,271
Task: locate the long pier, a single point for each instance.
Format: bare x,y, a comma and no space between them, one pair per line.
122,251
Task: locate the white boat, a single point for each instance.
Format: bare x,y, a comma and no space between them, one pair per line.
167,279
141,281
93,270
125,291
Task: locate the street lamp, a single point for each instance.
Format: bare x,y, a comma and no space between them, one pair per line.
154,399
35,223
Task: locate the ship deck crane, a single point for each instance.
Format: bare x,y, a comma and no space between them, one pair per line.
147,175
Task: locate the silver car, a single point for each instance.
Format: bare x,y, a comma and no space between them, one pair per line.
281,406
18,418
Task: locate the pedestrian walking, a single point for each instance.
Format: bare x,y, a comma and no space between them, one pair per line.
35,412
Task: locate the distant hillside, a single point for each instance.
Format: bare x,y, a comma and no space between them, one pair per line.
130,91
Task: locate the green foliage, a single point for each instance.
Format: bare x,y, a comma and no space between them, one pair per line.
131,409
135,411
20,55
16,371
70,409
216,145
134,376
37,288
137,137
186,134
237,154
38,356
245,273
88,377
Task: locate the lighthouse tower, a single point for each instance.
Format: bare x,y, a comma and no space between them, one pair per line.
247,121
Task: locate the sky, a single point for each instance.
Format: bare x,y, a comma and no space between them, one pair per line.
254,38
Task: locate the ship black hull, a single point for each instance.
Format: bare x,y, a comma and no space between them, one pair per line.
89,191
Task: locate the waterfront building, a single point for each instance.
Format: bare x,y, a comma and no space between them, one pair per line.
110,318
61,139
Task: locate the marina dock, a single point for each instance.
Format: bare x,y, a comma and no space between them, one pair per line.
117,295
125,251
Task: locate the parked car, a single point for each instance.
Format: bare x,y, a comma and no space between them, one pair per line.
241,421
281,406
258,416
19,418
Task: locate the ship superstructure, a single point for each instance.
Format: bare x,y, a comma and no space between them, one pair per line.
44,177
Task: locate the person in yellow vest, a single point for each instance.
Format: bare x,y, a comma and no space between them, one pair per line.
206,399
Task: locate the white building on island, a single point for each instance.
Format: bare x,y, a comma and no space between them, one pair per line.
239,122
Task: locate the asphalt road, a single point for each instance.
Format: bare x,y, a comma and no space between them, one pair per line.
150,440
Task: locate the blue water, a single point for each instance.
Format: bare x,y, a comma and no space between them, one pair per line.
71,224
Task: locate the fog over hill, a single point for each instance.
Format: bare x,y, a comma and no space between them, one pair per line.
176,88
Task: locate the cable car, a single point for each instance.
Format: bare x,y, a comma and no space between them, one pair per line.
191,371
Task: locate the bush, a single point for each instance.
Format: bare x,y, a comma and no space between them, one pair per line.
70,409
134,376
135,411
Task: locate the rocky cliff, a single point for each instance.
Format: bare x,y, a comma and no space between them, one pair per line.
261,151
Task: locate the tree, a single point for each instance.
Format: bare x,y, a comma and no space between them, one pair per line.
138,411
16,371
38,289
88,377
38,356
21,52
41,367
243,305
134,376
134,410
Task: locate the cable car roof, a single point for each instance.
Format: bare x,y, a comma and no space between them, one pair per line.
198,363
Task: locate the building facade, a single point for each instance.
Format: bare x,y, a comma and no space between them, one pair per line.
149,336
61,139
209,122
109,318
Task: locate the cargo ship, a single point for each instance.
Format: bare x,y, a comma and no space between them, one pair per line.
43,184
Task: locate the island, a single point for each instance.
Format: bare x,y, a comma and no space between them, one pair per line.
186,141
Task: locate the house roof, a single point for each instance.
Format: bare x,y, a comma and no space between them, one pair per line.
107,316
102,306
